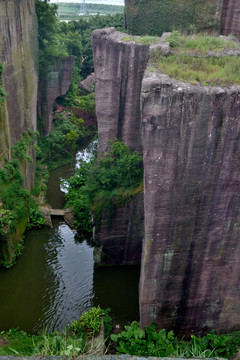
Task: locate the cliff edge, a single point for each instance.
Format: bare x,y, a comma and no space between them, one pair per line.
18,54
191,150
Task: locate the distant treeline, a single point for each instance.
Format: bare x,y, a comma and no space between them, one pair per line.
75,8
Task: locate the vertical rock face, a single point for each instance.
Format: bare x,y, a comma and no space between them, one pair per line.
121,234
18,53
191,149
19,56
153,17
119,66
230,23
54,80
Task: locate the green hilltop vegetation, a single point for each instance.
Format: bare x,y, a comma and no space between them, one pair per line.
194,59
71,11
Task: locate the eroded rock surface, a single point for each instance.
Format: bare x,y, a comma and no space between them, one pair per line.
18,53
119,66
54,81
230,22
191,149
121,232
87,85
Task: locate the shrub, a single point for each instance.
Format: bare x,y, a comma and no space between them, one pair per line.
89,323
151,342
101,181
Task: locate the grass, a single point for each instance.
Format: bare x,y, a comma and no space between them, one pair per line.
147,40
80,337
223,71
20,343
127,38
188,61
200,44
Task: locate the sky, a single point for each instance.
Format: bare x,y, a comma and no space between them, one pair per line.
108,2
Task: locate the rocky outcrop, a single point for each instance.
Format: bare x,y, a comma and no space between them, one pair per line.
18,53
87,85
119,67
191,151
54,80
121,232
230,23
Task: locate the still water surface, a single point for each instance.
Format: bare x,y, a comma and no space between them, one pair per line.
54,281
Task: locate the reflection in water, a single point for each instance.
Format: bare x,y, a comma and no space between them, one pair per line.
52,282
69,270
117,288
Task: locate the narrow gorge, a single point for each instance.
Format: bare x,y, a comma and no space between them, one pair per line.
183,224
189,137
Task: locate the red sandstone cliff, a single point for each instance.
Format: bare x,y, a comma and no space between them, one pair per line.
191,151
121,233
18,53
54,80
119,68
230,22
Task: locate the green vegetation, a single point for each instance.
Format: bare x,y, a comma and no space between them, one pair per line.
200,44
51,43
59,147
72,11
150,342
153,17
75,340
128,38
190,60
222,71
19,343
103,183
15,201
12,193
58,39
90,322
148,40
79,337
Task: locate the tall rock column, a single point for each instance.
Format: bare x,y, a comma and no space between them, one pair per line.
230,22
190,263
119,66
19,56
